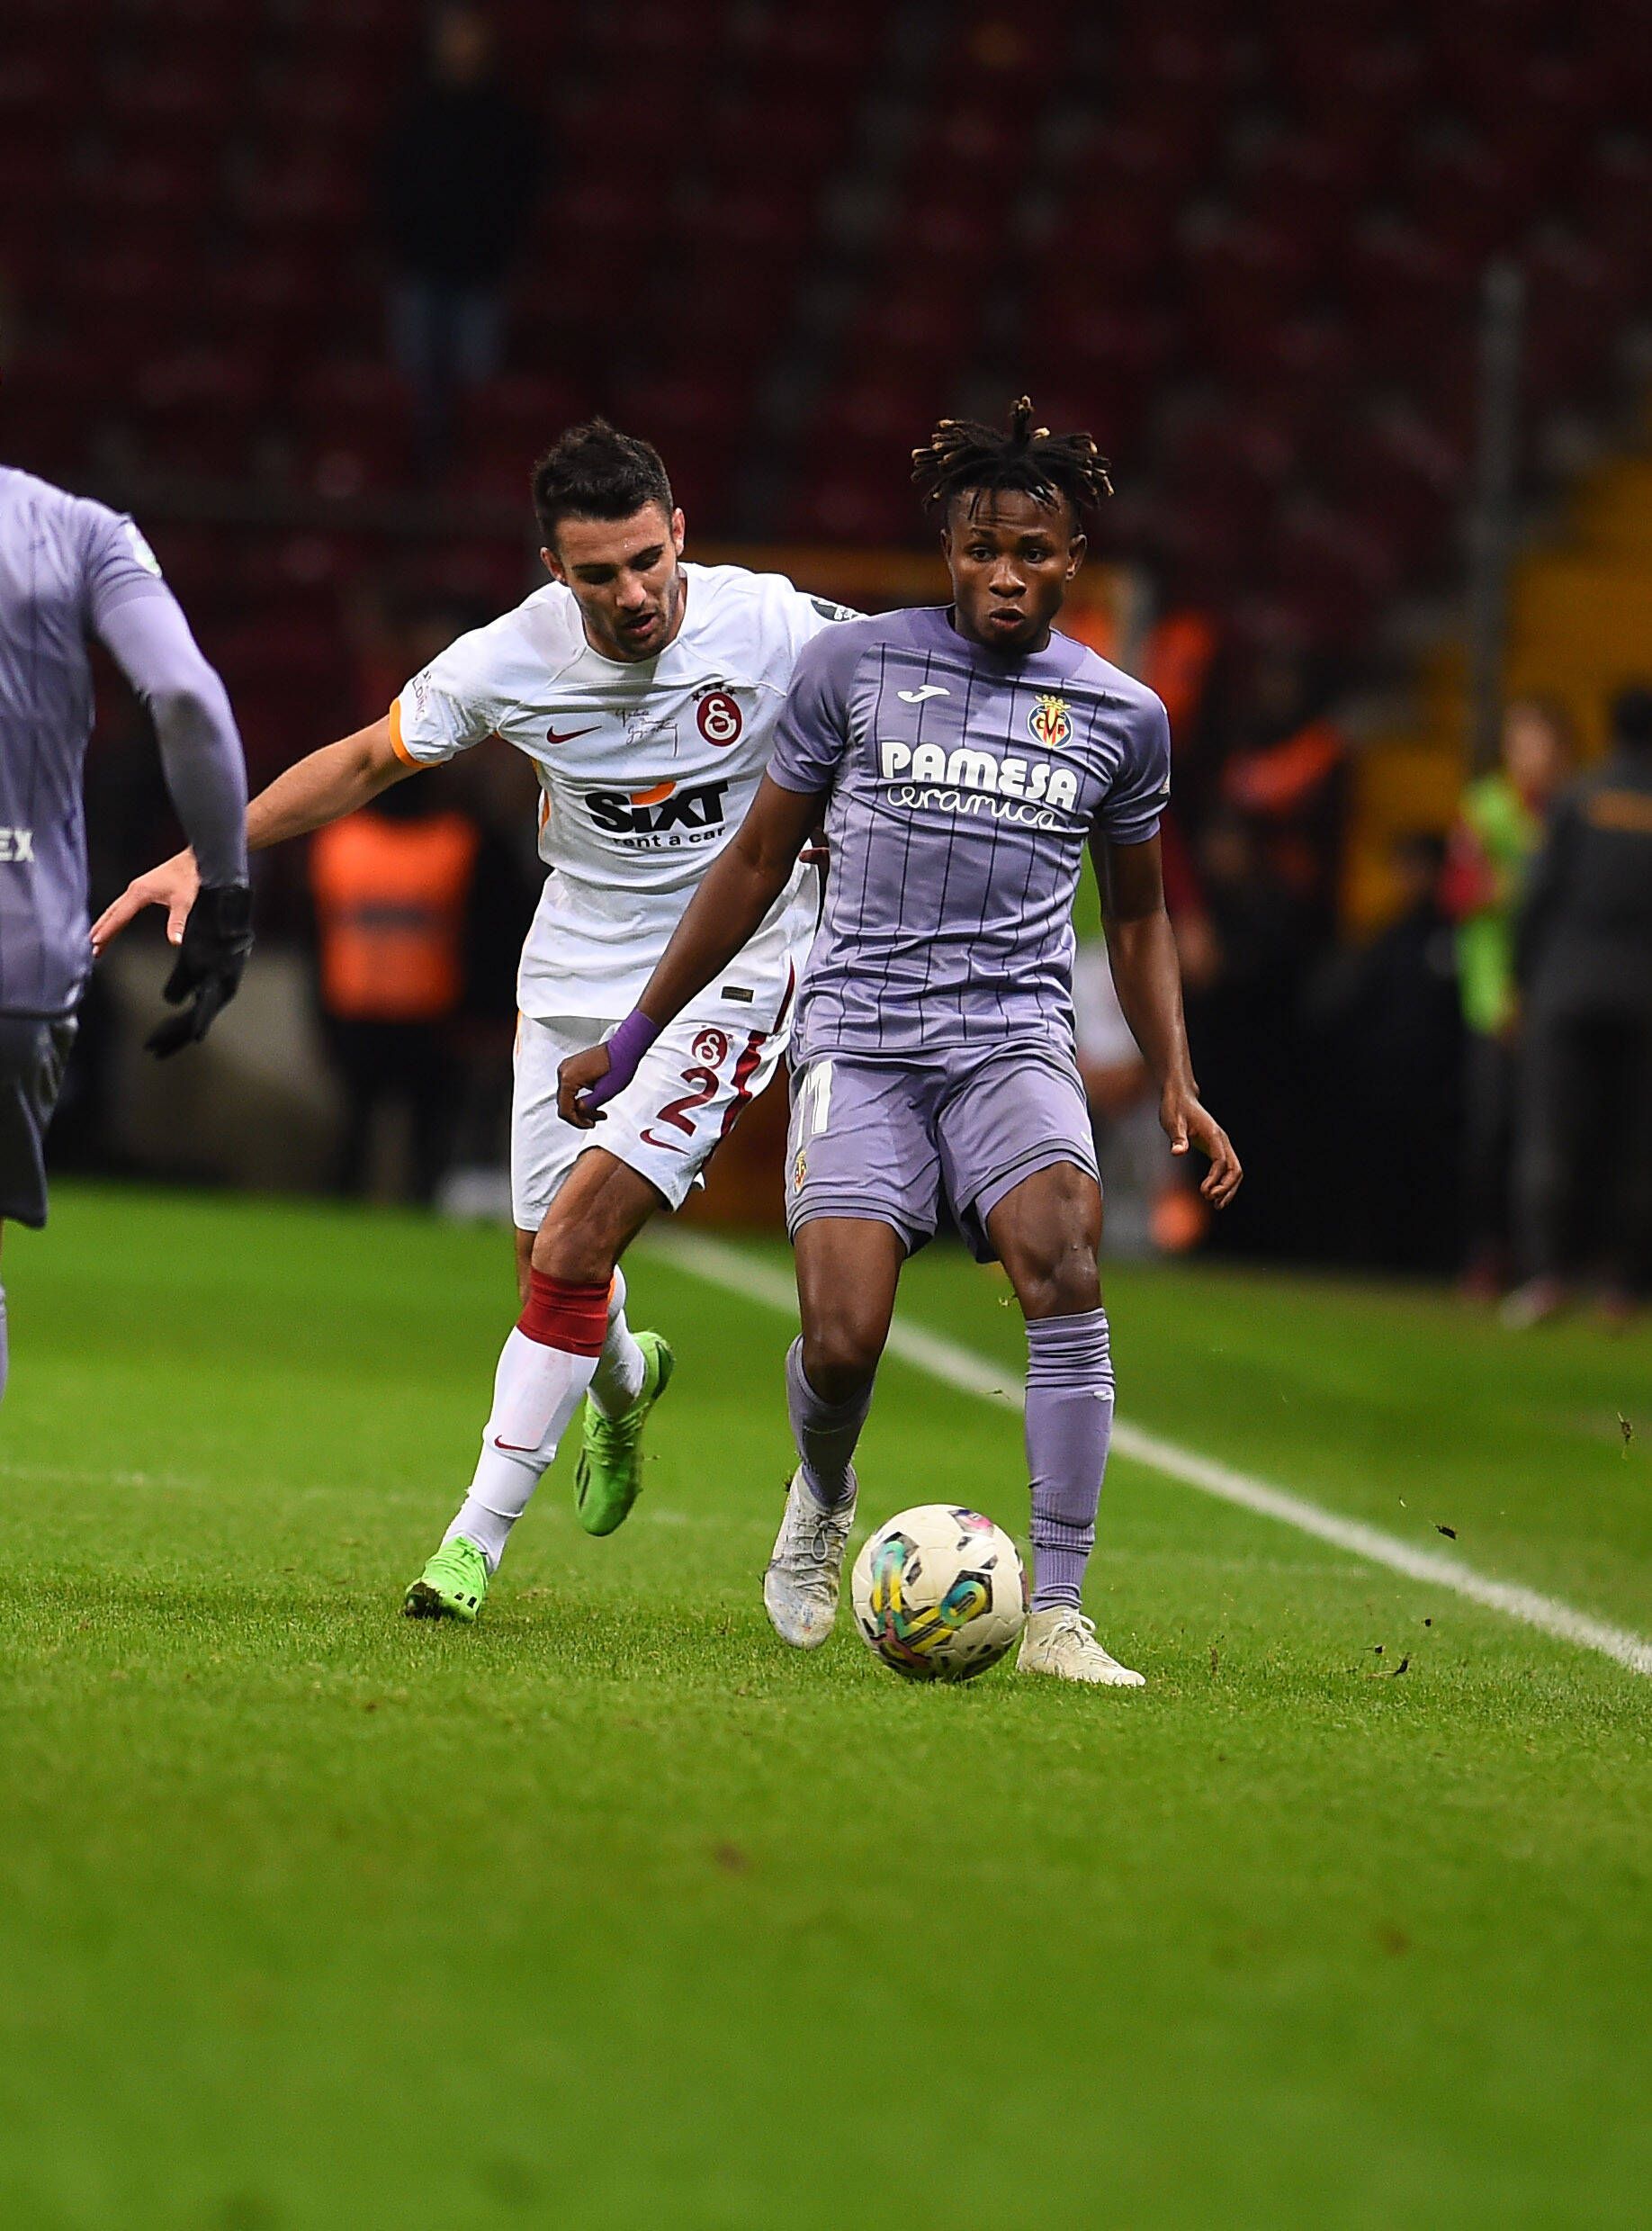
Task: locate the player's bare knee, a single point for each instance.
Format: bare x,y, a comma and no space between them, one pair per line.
1071,1286
1057,1275
574,1248
840,1354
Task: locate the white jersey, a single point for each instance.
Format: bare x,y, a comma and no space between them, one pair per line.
647,767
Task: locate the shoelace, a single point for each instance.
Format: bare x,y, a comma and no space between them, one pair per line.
816,1551
620,1433
1076,1622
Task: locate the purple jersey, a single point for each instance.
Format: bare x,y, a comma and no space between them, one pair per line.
68,569
964,785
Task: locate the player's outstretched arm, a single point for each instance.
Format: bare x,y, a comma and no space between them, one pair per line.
322,788
149,640
740,885
1141,949
146,632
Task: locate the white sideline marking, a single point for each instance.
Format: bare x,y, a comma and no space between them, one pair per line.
722,1266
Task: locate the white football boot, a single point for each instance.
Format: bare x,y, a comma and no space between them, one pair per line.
800,1589
1063,1643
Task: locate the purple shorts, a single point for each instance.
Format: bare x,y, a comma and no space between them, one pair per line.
885,1140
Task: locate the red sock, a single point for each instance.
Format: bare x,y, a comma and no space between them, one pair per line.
560,1314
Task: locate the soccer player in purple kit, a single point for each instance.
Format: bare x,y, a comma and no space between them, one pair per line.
962,759
71,568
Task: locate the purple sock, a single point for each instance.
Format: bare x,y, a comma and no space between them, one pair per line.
825,1433
1069,1424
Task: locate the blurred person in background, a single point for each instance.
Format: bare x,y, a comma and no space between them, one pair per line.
1385,1050
1283,766
1241,996
1499,827
71,569
1584,962
392,886
458,177
1146,1208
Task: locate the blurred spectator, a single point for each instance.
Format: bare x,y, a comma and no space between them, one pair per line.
459,174
1388,1037
392,886
1283,771
1137,1173
1499,827
1583,959
1241,1000
503,795
1176,661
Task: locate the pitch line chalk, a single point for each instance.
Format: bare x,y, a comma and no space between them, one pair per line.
740,1273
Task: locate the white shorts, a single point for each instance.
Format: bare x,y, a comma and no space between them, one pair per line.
687,1095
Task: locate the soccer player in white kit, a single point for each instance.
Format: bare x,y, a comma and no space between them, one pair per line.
645,690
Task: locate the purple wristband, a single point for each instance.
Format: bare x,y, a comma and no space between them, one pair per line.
626,1049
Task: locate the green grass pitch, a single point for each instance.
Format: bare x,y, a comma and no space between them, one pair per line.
610,1913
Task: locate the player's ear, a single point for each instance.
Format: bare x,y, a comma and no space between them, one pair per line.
553,565
679,530
1076,549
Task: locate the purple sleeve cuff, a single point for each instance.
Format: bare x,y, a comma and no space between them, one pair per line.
626,1049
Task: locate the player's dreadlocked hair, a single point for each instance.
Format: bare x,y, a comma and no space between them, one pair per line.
594,472
961,457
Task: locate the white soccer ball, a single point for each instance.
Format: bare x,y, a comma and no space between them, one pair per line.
939,1593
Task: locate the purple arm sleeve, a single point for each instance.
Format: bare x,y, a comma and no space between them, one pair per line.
626,1049
148,636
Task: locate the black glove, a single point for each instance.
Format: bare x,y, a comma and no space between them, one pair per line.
217,939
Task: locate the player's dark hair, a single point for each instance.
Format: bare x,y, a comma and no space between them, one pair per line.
594,472
964,458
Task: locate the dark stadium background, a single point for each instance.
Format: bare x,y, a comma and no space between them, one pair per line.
1354,298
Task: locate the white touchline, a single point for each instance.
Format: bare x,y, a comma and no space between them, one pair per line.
722,1266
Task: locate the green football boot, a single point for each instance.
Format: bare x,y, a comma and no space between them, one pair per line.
453,1586
608,1476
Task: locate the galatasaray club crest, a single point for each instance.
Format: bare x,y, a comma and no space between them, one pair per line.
1050,721
719,718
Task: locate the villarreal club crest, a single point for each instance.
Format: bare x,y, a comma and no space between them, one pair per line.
1050,721
939,1593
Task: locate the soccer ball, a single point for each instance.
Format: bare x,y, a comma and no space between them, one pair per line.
939,1593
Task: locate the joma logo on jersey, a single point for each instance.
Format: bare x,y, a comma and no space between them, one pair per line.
16,844
1050,722
1035,781
649,812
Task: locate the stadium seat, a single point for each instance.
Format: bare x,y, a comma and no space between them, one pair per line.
1243,245
352,422
202,412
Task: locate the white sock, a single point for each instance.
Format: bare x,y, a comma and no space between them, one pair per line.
536,1390
620,1367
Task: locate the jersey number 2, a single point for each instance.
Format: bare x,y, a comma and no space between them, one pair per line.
676,1111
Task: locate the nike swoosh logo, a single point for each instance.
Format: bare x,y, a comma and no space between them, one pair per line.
552,736
916,696
516,1448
